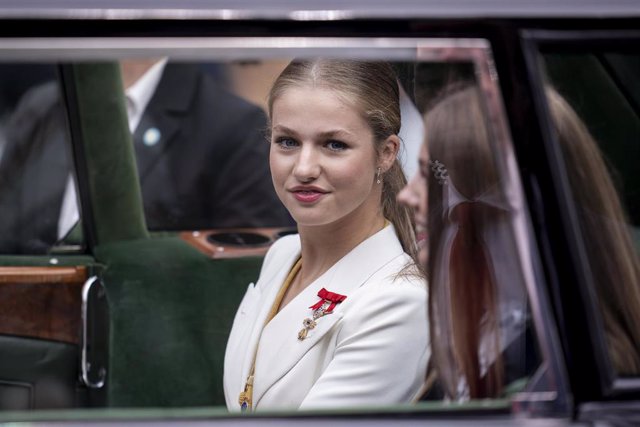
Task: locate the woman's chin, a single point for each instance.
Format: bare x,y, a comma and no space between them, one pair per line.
310,220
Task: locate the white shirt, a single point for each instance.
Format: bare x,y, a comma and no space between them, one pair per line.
137,96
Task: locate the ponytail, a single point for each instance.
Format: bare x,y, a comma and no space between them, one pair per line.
399,214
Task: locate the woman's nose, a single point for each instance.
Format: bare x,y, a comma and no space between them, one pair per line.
307,165
407,196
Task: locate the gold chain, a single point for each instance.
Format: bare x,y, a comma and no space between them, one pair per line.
245,399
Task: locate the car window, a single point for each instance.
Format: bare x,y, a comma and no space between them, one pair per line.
199,127
36,184
593,99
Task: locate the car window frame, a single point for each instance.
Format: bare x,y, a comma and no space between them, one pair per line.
587,346
473,49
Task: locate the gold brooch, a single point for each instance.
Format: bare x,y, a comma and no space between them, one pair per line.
327,303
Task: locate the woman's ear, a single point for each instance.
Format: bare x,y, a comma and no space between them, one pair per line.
389,152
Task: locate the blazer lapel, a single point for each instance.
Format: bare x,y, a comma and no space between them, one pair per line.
252,316
163,115
281,349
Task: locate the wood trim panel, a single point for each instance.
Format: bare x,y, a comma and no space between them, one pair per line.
51,275
42,302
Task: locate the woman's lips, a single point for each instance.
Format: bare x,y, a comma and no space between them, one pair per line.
307,196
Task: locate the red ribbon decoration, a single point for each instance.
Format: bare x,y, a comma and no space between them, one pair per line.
331,297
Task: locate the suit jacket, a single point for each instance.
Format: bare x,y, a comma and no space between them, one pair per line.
201,154
209,167
33,173
373,349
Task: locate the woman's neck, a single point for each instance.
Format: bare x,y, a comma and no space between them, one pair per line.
323,246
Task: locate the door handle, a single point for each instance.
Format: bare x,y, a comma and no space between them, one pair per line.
86,368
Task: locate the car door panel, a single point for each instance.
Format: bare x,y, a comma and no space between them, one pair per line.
40,335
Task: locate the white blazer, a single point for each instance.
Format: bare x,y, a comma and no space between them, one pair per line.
373,349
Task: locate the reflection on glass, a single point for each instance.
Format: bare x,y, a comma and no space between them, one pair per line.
480,326
600,143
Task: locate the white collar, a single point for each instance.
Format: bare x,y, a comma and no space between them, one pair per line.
139,94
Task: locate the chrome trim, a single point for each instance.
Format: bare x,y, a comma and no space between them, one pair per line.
548,392
331,10
85,366
224,48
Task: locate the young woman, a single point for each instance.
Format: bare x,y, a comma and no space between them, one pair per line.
338,315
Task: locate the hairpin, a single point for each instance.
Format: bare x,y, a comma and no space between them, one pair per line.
439,171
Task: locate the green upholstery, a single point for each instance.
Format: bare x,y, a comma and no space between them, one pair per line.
37,374
171,312
116,201
45,261
171,307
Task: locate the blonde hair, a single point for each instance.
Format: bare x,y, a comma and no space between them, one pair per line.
373,88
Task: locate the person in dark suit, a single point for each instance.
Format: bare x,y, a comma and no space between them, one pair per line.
33,172
209,167
201,155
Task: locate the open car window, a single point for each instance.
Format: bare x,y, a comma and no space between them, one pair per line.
198,124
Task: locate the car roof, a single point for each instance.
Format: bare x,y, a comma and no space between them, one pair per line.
305,10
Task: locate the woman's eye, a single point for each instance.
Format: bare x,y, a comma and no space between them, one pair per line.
286,142
336,145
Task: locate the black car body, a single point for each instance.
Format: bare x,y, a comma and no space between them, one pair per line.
134,318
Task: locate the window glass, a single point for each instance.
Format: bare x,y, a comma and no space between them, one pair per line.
36,185
478,256
594,103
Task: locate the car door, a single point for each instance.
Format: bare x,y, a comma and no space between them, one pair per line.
51,297
167,299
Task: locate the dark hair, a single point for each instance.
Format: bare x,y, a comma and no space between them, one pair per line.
457,137
373,88
612,257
